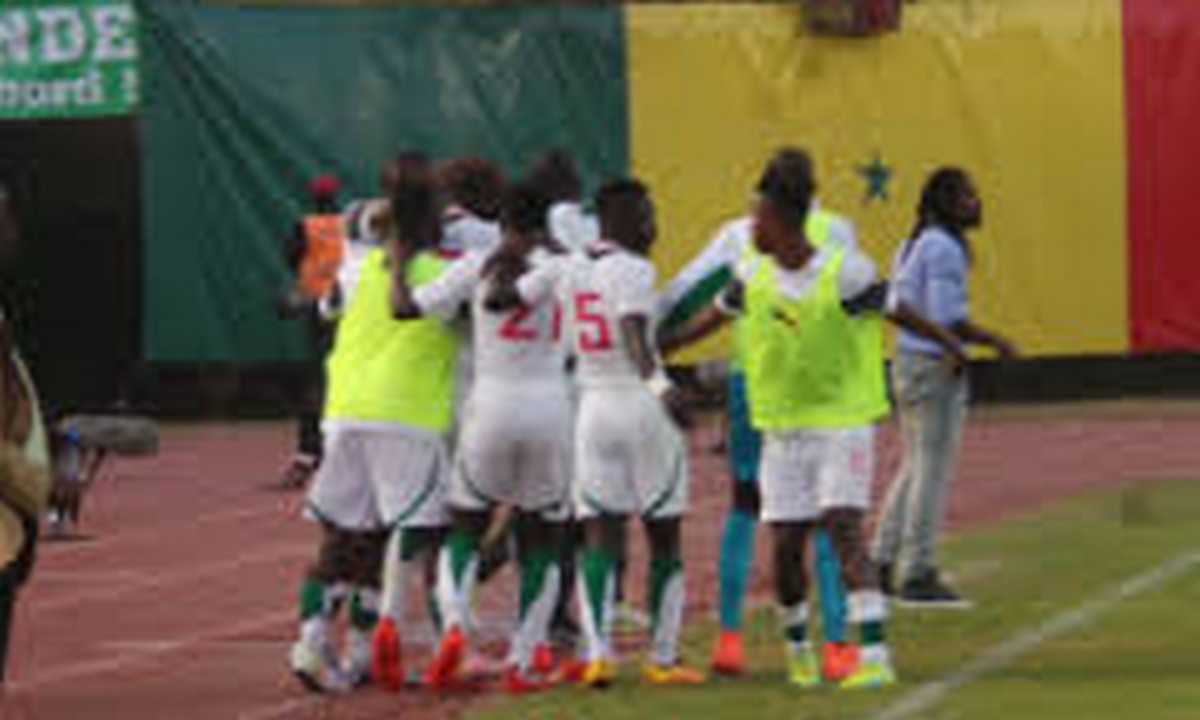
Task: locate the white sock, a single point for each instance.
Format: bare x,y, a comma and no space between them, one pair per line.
795,624
669,625
454,595
395,580
597,637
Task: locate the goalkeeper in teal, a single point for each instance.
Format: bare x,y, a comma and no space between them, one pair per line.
691,291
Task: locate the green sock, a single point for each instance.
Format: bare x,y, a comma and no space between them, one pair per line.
464,548
534,567
364,609
596,567
312,599
667,597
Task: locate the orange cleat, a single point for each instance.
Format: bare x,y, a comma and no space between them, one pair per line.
543,660
839,661
387,657
446,668
516,682
728,656
572,671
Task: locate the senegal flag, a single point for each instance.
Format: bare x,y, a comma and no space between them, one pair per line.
1075,117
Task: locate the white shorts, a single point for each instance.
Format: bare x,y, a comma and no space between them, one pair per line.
379,478
808,472
514,449
630,458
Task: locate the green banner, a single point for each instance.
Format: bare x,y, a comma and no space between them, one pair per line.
68,58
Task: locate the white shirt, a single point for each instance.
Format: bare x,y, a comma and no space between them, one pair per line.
727,248
598,292
520,345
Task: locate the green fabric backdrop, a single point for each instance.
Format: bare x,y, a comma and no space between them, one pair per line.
243,104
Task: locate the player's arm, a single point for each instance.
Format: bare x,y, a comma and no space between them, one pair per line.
727,306
513,285
444,296
863,292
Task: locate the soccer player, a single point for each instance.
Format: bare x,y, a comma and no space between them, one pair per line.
386,414
813,358
931,272
557,175
687,294
630,457
514,447
472,189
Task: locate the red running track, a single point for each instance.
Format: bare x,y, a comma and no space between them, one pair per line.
182,604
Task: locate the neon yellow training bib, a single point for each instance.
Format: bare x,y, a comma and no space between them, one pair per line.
387,370
809,363
819,229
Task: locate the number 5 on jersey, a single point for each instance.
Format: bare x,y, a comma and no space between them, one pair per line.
594,332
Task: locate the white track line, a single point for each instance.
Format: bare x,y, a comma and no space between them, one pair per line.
927,696
186,574
287,708
88,668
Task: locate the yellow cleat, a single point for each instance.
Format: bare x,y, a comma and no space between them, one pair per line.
599,674
804,671
671,675
871,675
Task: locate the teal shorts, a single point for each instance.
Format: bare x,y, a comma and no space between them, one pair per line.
745,443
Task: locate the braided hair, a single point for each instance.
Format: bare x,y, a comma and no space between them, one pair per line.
941,199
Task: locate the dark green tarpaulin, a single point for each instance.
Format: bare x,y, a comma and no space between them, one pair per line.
244,104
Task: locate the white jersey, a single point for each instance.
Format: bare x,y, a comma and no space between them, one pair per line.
598,290
519,345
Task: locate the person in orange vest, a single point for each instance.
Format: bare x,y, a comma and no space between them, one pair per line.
314,254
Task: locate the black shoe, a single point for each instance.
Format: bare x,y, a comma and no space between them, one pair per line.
928,591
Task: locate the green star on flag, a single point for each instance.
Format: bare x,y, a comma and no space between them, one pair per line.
878,176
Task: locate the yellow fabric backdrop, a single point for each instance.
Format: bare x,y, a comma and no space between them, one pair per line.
1026,94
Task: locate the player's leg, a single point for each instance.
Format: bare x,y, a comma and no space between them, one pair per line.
789,540
838,656
847,466
661,477
341,498
408,478
409,550
530,661
367,565
597,580
666,598
323,590
867,603
790,505
455,580
737,539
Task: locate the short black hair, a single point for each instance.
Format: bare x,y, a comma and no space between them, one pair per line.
557,175
476,184
615,197
525,208
787,183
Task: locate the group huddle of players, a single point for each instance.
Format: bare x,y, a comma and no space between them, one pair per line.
518,365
